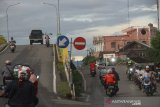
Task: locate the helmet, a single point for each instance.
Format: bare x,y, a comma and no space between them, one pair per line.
8,62
147,67
11,38
24,73
113,69
109,71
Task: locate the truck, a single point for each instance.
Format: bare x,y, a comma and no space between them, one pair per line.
36,36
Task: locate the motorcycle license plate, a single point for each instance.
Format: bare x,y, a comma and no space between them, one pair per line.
111,86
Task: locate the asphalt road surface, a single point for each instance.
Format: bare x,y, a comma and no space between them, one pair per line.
40,58
128,96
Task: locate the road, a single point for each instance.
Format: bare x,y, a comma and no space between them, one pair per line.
40,58
128,91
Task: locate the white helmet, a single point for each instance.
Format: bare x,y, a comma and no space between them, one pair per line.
109,70
24,73
8,62
147,67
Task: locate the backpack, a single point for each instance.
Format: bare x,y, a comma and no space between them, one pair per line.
110,79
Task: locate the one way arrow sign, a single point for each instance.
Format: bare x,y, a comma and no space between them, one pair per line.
62,41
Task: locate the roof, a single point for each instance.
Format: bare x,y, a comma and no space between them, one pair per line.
131,43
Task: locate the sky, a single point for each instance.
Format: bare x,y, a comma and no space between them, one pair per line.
85,18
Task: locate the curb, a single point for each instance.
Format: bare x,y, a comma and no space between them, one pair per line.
3,48
54,72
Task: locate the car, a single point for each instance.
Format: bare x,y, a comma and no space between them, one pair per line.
36,36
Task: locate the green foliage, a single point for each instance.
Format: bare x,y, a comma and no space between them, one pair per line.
88,59
78,82
61,69
2,40
64,90
154,55
155,42
154,52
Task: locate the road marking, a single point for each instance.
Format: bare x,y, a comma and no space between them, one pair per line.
54,73
70,102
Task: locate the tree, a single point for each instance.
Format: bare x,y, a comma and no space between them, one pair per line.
155,42
154,52
2,40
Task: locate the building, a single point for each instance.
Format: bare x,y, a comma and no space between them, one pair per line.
136,51
111,44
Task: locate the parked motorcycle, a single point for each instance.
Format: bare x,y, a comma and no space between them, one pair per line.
111,90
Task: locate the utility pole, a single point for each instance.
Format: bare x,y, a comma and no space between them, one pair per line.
158,13
59,22
128,4
7,18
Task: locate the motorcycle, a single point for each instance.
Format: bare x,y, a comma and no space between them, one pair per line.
12,48
93,73
158,76
130,74
15,74
139,81
148,89
111,90
47,43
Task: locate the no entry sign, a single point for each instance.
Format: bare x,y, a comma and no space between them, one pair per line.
79,43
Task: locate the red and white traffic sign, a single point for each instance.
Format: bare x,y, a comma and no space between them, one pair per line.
79,43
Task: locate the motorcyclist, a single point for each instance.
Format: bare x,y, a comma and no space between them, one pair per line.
33,78
21,91
109,78
117,77
148,75
7,72
92,67
12,42
47,38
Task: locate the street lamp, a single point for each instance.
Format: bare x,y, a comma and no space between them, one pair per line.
7,17
58,16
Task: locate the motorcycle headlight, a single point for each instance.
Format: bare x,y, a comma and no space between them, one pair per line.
131,69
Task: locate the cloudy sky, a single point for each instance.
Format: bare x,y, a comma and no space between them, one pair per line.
85,18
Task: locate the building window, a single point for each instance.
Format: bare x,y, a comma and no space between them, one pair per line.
113,45
144,42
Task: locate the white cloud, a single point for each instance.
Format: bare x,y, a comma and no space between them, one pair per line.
84,18
144,8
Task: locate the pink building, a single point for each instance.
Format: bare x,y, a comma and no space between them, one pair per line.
111,44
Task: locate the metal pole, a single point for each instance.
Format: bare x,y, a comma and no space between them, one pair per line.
56,15
59,27
158,12
7,18
128,14
7,25
70,50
